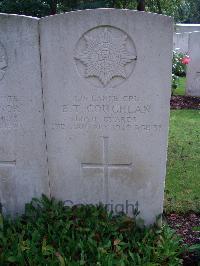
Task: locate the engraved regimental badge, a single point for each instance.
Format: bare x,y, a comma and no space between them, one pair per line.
105,56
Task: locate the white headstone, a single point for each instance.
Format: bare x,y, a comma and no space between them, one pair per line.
180,28
180,41
23,171
193,68
106,79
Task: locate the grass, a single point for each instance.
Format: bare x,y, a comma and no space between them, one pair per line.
52,234
180,90
182,192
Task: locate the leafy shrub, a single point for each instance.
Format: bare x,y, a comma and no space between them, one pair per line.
175,82
195,248
50,233
178,65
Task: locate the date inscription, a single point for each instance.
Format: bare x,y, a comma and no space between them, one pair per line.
110,112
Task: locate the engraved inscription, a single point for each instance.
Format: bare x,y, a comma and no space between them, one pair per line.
9,109
106,55
3,61
107,112
7,163
105,166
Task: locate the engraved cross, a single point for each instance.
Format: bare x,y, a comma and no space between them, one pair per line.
105,165
7,164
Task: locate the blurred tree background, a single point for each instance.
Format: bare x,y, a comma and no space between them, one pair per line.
185,11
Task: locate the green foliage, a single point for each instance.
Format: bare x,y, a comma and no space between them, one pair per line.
181,86
50,233
181,10
178,69
195,249
192,11
36,8
175,82
174,8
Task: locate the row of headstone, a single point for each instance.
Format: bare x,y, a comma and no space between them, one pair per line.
193,68
88,123
186,41
181,28
23,163
181,36
181,42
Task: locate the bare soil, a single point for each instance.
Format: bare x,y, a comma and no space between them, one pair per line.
185,102
185,226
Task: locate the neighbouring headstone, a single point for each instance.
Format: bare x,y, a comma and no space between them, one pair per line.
23,170
180,42
193,68
106,79
180,28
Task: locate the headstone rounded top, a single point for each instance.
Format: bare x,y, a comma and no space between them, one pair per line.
109,11
3,61
17,16
105,56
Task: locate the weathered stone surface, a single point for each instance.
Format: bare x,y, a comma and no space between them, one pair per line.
180,28
193,68
106,79
180,42
23,171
